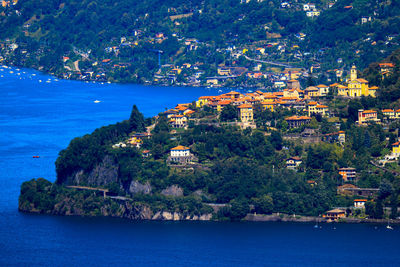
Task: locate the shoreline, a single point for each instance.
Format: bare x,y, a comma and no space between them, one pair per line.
313,219
251,218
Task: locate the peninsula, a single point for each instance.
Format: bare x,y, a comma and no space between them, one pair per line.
330,152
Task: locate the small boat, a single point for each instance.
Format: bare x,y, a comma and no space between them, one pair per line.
388,226
97,101
40,81
35,157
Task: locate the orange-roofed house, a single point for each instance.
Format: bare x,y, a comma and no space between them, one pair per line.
386,67
342,90
268,105
180,155
233,95
246,113
221,104
297,121
178,121
360,203
396,149
315,108
311,92
203,100
389,113
334,215
323,89
372,90
365,116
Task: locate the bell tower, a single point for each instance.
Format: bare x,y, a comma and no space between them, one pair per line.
353,73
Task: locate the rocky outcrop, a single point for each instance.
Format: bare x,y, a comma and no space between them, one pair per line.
173,190
138,188
102,174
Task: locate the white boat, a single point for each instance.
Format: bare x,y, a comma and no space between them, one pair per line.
33,74
97,101
11,71
40,81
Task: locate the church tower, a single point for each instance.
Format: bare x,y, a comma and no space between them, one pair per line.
353,73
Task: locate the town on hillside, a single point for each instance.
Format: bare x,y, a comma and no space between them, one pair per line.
302,119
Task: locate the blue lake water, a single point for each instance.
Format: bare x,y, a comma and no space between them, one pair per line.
39,116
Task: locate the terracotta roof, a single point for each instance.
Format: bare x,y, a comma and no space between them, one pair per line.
312,103
396,144
390,65
362,80
232,93
322,86
322,106
369,111
335,211
295,158
341,86
245,106
334,84
145,151
373,88
224,102
180,148
360,200
388,110
297,118
311,88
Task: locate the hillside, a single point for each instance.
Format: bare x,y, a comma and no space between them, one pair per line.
121,40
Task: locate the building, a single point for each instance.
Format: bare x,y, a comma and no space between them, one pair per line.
202,101
342,90
334,214
358,87
323,89
348,174
293,162
366,116
396,149
246,113
337,137
180,155
389,113
315,108
359,203
352,190
178,121
293,84
297,121
311,92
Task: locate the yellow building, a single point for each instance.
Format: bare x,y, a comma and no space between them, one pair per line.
203,100
342,90
221,104
359,87
323,89
311,91
268,105
396,149
246,112
315,108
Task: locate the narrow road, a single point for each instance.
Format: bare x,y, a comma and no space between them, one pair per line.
269,62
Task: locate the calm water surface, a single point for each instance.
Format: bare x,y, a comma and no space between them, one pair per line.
39,116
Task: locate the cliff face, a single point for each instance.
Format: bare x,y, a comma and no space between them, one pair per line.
102,174
41,196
